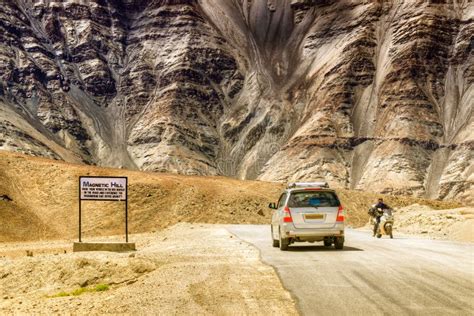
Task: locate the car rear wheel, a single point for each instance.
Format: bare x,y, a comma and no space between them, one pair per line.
339,242
276,242
283,242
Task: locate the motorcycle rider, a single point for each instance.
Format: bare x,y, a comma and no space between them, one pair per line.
380,205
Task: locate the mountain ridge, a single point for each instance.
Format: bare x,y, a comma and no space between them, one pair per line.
368,95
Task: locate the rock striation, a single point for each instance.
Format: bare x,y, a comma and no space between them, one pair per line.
370,95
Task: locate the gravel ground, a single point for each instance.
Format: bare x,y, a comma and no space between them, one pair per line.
186,269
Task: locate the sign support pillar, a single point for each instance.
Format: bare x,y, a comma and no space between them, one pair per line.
80,220
126,220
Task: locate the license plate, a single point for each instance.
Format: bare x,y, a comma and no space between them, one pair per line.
313,216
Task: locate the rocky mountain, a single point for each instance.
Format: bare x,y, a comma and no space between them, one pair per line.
372,95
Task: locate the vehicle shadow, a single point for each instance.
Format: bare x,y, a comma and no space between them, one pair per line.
298,248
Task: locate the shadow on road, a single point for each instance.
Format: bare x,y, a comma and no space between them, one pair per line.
321,248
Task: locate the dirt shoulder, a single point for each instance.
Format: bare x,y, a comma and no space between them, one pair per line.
186,269
452,224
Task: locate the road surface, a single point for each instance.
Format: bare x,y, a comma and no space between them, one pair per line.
400,276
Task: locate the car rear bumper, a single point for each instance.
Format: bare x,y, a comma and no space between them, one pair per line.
290,231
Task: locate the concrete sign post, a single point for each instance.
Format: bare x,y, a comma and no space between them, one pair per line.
103,189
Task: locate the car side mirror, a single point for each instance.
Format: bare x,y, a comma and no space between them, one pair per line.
272,206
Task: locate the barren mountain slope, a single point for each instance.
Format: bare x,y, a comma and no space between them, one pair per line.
373,95
42,201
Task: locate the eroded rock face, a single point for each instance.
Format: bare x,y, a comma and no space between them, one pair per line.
372,95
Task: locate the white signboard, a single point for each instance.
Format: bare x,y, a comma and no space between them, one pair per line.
103,188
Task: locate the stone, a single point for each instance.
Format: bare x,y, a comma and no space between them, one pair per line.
5,197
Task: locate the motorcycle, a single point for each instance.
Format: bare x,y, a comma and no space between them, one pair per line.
386,221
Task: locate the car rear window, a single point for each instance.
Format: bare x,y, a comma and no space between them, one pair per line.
313,199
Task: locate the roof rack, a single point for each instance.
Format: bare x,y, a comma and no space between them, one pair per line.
308,185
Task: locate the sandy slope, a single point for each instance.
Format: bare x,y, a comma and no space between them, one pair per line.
44,200
188,269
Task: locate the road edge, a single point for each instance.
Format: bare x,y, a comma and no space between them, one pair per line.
260,258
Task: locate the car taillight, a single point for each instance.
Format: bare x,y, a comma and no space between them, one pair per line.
340,214
287,215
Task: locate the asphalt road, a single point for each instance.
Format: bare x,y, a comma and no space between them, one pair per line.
400,276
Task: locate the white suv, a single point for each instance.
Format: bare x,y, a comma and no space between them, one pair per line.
308,211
